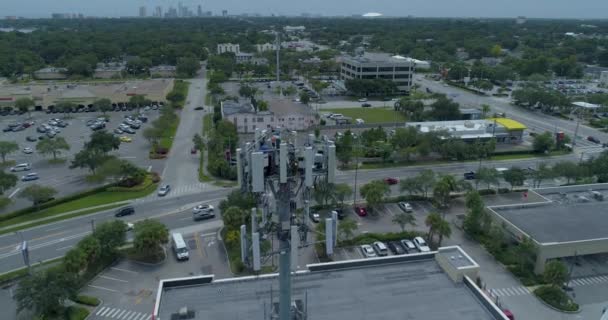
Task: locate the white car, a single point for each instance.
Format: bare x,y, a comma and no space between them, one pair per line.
421,244
28,150
405,206
362,100
368,251
203,208
164,190
359,121
130,226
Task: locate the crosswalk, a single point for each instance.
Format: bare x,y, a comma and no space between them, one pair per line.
521,290
121,314
588,281
512,291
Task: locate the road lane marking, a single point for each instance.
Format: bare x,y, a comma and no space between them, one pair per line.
101,288
118,316
149,168
124,270
14,193
63,248
127,315
105,311
100,311
114,279
52,229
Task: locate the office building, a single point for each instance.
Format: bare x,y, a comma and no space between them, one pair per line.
228,47
224,13
568,221
158,12
280,114
423,286
266,47
397,69
142,12
199,11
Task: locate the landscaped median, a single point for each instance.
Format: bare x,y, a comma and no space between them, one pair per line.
98,199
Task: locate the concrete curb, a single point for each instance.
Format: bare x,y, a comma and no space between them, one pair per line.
95,308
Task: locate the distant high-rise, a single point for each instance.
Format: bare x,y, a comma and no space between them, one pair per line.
142,11
520,20
158,11
199,11
224,13
171,13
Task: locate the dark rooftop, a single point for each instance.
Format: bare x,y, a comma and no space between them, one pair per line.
569,214
403,290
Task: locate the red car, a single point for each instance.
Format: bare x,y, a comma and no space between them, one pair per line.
361,211
391,181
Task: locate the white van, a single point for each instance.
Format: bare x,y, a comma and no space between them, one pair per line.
179,247
21,167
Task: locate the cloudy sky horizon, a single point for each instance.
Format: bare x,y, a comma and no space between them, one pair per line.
583,9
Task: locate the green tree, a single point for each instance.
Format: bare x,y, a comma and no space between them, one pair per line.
7,181
139,100
242,200
346,229
91,248
374,193
304,97
87,158
472,223
555,273
6,148
324,192
485,109
25,105
526,253
52,146
149,236
111,236
138,66
543,142
104,105
75,261
443,229
433,220
488,176
102,142
187,66
152,135
66,107
247,91
342,191
344,148
568,169
444,109
515,177
443,187
234,217
37,193
403,219
45,292
198,142
542,172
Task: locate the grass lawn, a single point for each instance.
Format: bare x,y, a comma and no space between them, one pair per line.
371,115
167,139
106,197
207,123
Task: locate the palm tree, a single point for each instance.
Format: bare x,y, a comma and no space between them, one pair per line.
403,219
485,109
432,221
443,230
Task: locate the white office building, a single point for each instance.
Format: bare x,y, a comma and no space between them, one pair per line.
398,69
228,47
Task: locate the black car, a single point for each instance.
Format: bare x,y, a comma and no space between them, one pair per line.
366,105
31,139
469,175
7,129
124,211
594,139
396,248
340,213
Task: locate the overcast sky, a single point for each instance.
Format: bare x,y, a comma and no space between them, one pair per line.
419,8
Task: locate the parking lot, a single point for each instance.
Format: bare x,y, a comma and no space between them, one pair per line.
128,289
76,133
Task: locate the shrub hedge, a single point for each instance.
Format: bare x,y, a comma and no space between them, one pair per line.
556,298
76,313
87,300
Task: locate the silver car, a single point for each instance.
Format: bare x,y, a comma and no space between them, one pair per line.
164,190
368,251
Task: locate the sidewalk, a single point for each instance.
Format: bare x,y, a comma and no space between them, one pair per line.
61,215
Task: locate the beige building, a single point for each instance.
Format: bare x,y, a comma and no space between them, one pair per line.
265,47
51,74
567,222
397,69
280,114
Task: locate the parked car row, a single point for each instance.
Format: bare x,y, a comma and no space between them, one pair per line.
405,246
18,126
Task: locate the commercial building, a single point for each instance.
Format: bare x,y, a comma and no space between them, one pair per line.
109,70
243,57
398,69
51,74
430,286
228,47
569,221
142,12
280,114
266,47
586,106
502,129
604,77
163,71
292,29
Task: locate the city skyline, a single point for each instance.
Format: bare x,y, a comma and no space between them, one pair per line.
586,9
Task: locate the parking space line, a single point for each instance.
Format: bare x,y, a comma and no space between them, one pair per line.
114,279
63,248
101,288
124,270
14,193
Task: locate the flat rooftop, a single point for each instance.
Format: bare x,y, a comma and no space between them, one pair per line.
569,214
401,290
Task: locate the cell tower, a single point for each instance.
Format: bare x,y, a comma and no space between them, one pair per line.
274,167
